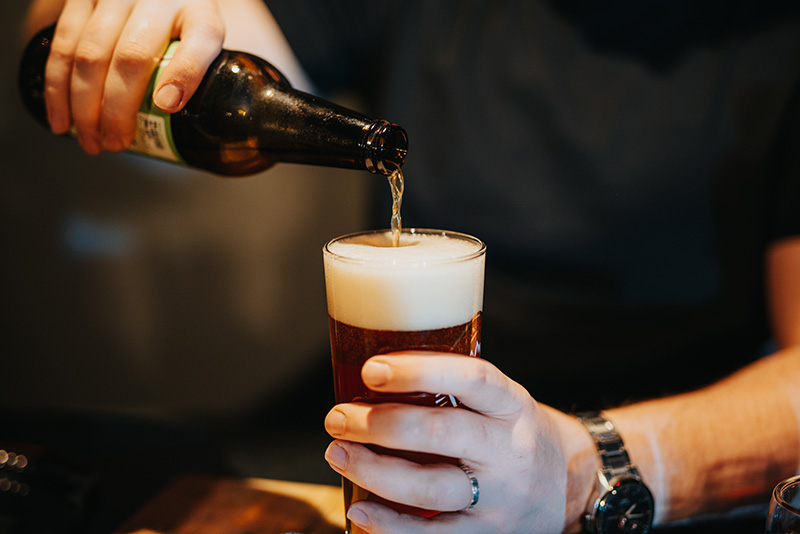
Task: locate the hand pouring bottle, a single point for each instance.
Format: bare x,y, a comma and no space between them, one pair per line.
244,118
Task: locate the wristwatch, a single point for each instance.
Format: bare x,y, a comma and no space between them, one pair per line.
621,502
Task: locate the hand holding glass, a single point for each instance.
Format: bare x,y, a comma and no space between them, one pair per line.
426,294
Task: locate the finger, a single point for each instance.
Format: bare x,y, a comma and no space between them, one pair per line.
378,519
141,46
451,432
437,486
201,36
475,382
92,59
139,49
58,71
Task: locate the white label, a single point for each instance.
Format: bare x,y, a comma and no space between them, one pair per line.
152,137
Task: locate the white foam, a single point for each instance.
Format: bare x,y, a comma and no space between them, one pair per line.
423,284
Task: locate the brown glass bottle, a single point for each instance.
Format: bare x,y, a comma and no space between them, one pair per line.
244,117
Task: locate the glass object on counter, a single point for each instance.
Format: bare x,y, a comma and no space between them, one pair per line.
784,508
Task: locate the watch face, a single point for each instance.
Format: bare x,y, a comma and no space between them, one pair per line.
627,507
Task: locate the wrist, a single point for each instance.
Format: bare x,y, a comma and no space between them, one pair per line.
623,502
582,463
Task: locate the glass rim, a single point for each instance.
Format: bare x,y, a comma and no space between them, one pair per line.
412,231
777,494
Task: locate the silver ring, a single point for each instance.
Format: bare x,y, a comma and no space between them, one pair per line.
476,490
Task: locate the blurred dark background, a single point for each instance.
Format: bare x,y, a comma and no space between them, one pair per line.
158,320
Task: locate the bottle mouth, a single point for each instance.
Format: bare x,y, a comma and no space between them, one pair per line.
385,147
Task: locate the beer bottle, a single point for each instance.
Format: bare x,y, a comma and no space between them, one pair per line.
244,117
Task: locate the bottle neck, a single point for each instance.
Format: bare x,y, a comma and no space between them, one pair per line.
385,147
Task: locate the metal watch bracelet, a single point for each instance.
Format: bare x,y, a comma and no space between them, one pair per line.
622,503
613,456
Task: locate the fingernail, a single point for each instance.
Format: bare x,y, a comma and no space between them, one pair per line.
169,97
336,456
375,373
335,422
112,143
358,516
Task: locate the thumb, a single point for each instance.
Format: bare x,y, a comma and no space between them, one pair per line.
201,37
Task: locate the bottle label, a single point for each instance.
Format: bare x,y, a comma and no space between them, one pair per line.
153,126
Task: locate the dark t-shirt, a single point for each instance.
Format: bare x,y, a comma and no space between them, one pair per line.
626,166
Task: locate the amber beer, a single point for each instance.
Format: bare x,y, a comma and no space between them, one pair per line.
426,294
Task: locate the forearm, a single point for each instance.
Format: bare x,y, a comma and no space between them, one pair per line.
720,447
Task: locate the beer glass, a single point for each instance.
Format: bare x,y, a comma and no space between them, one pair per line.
425,294
784,508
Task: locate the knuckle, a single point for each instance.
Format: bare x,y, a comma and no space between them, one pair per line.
89,53
479,374
209,26
133,54
438,426
53,92
62,51
65,40
481,434
182,70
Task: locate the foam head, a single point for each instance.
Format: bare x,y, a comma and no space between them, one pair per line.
434,279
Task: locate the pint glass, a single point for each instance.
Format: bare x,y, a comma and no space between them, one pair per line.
426,294
784,508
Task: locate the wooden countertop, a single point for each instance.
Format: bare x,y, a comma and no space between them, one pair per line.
196,504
